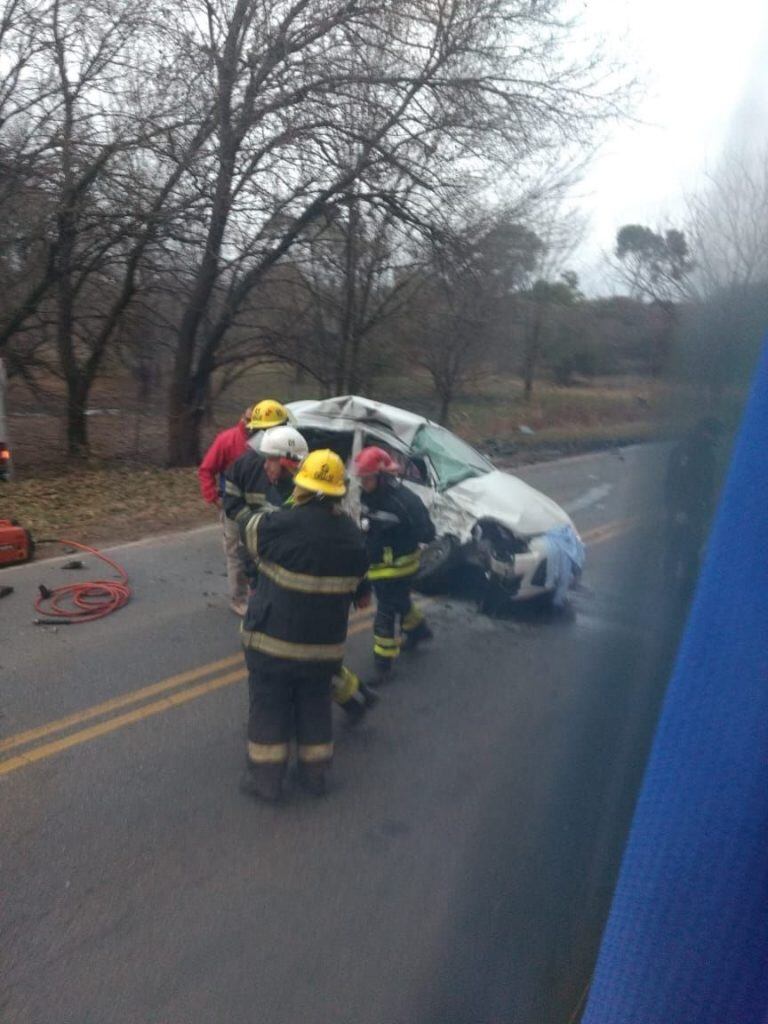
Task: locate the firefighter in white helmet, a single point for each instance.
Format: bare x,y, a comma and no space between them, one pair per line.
264,475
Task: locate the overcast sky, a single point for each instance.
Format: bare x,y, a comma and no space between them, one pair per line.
704,69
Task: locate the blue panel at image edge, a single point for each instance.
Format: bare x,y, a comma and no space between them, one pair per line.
687,937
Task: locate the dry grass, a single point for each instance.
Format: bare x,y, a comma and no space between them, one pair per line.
107,504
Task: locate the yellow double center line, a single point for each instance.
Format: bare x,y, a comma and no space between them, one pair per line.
600,534
178,683
172,692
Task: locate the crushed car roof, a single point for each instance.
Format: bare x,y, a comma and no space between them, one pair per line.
352,409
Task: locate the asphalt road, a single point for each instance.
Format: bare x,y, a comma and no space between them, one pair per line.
459,871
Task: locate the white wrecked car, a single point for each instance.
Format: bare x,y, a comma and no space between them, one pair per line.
523,540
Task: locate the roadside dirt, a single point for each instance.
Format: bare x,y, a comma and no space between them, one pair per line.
105,505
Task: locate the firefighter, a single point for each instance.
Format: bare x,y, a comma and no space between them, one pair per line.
263,479
396,523
263,476
312,567
228,446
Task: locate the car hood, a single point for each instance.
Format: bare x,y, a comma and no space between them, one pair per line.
508,500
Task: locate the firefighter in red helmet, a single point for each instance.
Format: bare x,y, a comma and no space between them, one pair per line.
396,523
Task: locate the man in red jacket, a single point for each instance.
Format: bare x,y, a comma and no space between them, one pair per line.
228,446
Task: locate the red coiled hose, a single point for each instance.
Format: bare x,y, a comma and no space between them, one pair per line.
83,602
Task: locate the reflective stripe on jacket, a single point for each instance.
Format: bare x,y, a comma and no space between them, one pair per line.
393,538
392,568
248,488
312,563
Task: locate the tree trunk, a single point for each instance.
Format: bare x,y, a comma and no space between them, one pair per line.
75,379
185,417
663,341
188,382
445,405
532,353
77,422
347,372
529,369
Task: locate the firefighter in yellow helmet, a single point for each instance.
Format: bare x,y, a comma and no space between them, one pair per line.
268,413
262,479
312,566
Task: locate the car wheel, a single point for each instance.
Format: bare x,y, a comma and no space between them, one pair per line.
438,561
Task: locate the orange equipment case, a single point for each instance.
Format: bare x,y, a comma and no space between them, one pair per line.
16,543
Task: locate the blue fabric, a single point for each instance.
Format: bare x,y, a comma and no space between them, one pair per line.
687,937
565,560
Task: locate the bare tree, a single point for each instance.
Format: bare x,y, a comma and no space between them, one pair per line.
433,86
94,100
728,290
188,148
354,276
452,339
464,302
559,232
728,225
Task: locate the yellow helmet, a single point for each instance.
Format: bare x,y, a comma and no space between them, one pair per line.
268,413
323,473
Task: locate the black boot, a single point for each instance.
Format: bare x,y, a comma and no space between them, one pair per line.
313,777
356,708
384,668
263,781
413,637
369,695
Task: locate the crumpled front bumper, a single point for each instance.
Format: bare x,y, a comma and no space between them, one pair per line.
522,576
546,564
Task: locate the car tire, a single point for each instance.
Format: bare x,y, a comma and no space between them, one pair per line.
438,562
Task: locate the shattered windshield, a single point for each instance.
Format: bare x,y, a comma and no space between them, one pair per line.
453,460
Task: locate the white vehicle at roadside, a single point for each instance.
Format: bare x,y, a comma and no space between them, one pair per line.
520,538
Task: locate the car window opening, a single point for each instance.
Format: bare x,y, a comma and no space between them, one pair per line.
453,460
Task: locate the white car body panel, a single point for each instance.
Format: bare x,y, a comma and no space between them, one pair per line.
510,501
352,411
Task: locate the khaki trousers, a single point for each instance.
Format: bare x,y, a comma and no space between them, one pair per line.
238,582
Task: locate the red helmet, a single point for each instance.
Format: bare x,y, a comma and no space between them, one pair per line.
373,460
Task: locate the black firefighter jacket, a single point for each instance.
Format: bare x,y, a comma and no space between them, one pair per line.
312,563
397,523
247,486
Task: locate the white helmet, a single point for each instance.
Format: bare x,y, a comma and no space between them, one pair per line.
283,443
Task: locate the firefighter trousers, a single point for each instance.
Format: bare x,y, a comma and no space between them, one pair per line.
395,614
287,700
